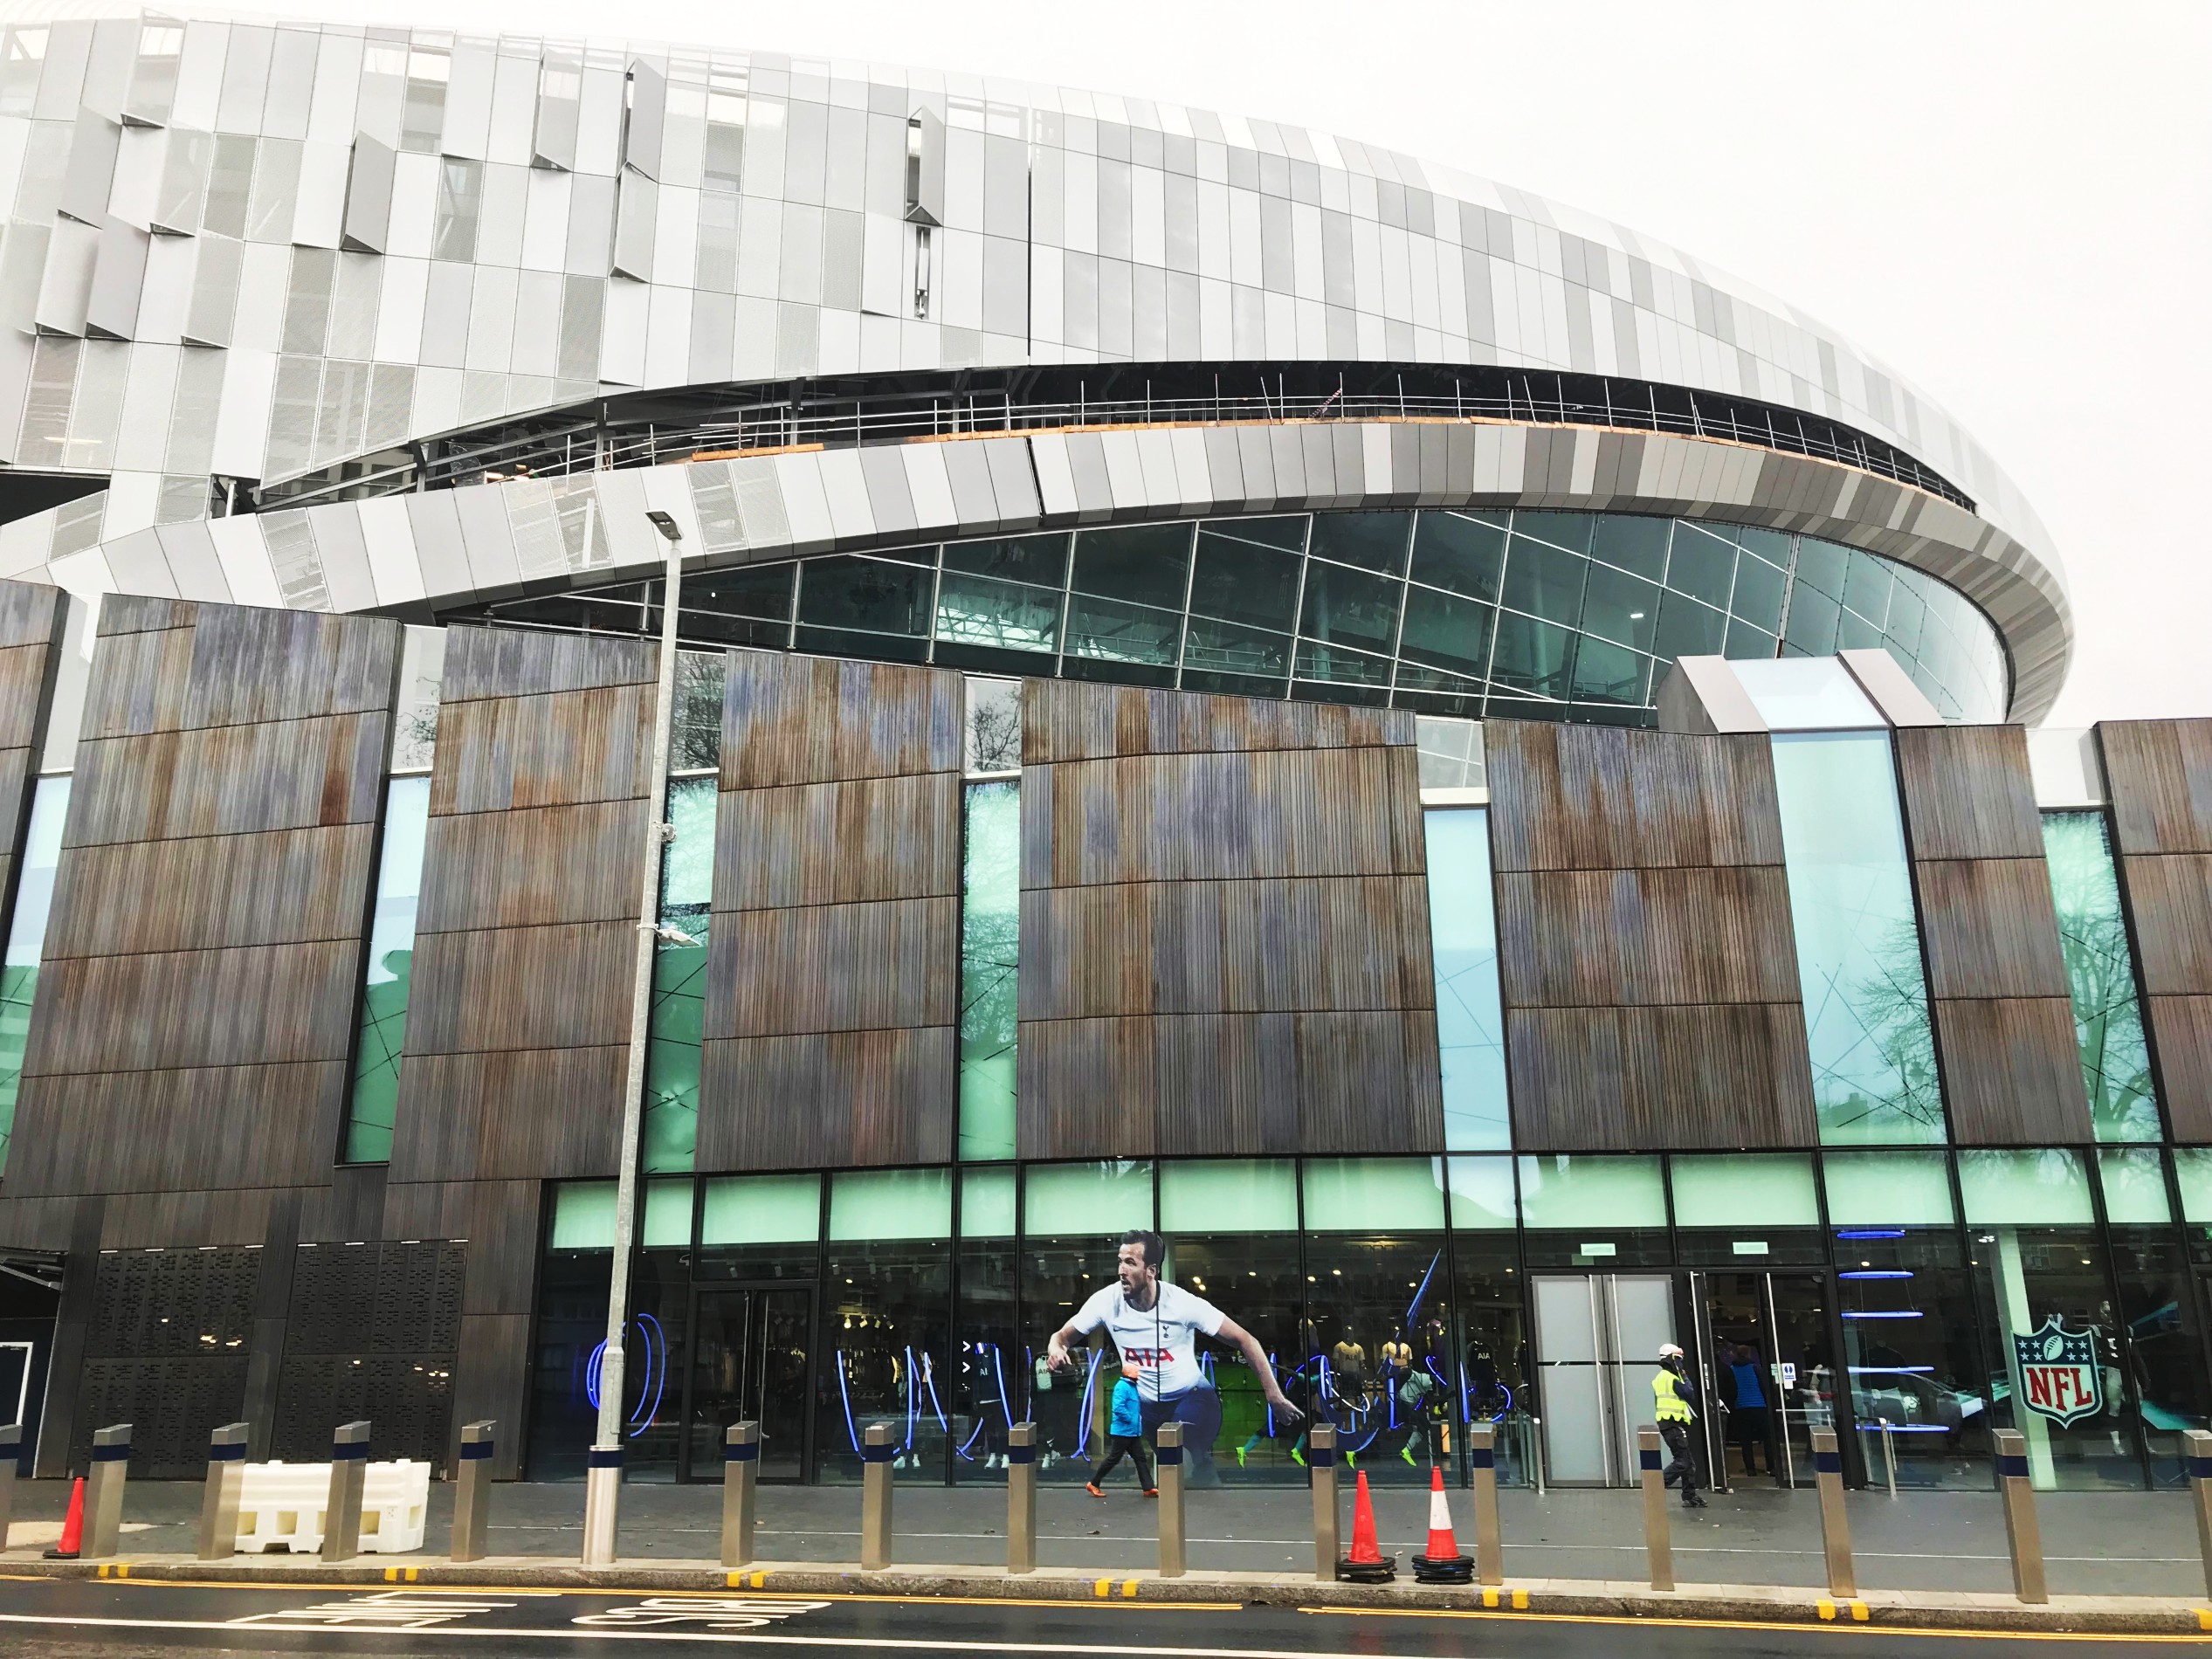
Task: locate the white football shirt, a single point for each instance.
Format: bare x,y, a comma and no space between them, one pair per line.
1162,1339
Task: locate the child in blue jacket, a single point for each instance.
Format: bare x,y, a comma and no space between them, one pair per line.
1125,1435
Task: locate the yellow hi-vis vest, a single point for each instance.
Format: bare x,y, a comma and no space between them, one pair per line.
1671,1407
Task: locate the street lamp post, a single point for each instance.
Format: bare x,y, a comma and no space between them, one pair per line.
602,1483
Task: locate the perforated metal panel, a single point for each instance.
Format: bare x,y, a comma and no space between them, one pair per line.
166,1353
372,1332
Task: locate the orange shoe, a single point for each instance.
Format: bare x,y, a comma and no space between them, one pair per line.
1092,1487
1152,1491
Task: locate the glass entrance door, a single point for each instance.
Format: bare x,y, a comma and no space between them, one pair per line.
750,1363
1598,1336
1769,1371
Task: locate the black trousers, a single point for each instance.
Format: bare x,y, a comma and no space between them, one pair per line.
1684,1467
1752,1431
1134,1448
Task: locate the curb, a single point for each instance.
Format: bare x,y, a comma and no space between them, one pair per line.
2084,1615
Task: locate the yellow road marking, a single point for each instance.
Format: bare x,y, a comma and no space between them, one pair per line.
1769,1624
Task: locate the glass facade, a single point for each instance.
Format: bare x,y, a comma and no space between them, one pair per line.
380,1034
1512,614
26,936
989,942
2100,975
1470,1017
677,1025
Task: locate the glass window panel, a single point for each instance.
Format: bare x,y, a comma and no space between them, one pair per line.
1606,1194
2133,1179
1042,561
26,939
1543,582
1244,581
1747,644
1482,1194
1908,615
2043,1188
749,606
974,611
1620,608
1347,667
1372,540
762,1209
1282,535
1470,1020
1147,564
1229,1195
1688,629
1822,565
990,950
869,594
1770,545
1569,530
1633,543
668,1216
1122,633
987,1207
1759,596
460,204
1866,587
1449,632
2100,975
1224,648
1350,608
1745,1190
2193,1170
1110,1197
1888,1189
382,1030
992,730
1532,656
1451,758
891,1203
1462,552
1437,692
1813,618
1858,943
1372,1195
1854,632
1808,694
1608,673
1703,565
678,1027
583,1215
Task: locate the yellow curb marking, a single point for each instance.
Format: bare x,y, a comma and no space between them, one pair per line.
1946,1633
740,1580
1825,1607
1860,1612
1520,1600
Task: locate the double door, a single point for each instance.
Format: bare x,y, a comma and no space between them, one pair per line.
750,1352
1766,1368
1598,1336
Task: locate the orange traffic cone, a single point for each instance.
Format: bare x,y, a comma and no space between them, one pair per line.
1366,1564
72,1526
1444,1563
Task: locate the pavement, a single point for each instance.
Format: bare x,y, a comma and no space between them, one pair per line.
2116,1562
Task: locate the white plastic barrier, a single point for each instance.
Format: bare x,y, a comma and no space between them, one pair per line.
281,1507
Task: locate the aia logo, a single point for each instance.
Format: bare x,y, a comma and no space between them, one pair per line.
1151,1359
2060,1376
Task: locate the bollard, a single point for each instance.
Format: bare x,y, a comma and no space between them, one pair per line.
601,1504
471,1493
1021,1498
341,1509
10,1449
875,1498
1490,1545
1835,1522
741,1464
1320,1463
1889,1453
1656,1543
2021,1531
104,1490
219,1503
2196,1463
1169,1443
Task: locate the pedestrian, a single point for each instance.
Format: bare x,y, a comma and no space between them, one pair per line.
1750,1420
1674,1398
1125,1435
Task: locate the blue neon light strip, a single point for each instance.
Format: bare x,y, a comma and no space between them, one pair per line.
1870,1232
1900,1314
1890,1371
1876,1273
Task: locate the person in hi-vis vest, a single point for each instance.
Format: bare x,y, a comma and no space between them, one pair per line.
1674,1404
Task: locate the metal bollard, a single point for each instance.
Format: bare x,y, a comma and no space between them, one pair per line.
1169,1444
741,1464
1489,1544
219,1503
1021,1498
2197,1462
1835,1522
1889,1453
1320,1463
10,1450
2021,1531
472,1493
341,1508
875,1498
104,1490
1657,1544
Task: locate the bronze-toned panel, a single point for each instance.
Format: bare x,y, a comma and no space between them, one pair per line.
1639,938
549,1114
287,775
1600,797
533,865
491,1380
838,844
30,614
495,754
1069,720
839,1098
566,986
1968,793
1991,929
143,614
211,891
2170,899
2159,774
504,662
1369,1079
2181,1028
820,720
22,683
835,968
2012,1072
237,665
137,681
18,777
1644,1079
189,1220
37,1223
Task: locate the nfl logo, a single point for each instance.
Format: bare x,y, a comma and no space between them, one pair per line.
2060,1376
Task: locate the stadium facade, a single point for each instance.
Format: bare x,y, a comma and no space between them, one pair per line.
1470,768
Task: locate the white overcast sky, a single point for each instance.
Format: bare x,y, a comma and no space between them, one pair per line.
2011,202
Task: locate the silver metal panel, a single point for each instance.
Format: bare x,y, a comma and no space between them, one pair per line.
368,195
926,170
85,186
119,275
647,119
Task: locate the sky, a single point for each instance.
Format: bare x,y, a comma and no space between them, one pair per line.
2010,204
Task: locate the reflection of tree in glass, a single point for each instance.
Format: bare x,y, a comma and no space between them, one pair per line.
1891,1002
994,733
2100,975
696,736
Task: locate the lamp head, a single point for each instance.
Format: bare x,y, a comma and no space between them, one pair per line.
665,525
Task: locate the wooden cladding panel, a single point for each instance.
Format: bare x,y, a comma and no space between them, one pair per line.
503,663
2159,774
23,685
533,865
1642,938
564,986
270,887
30,614
1968,793
287,775
2182,1026
216,666
1069,720
833,967
819,720
838,844
2171,898
1634,1078
828,1099
1596,797
513,1115
30,630
2012,1072
1991,928
497,755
